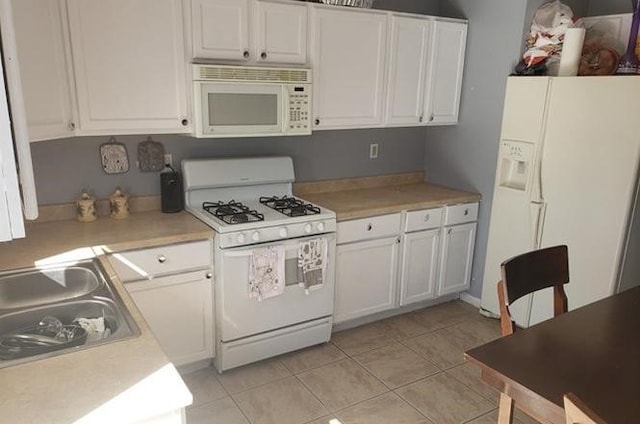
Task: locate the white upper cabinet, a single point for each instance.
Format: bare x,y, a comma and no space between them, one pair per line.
409,49
249,31
281,32
42,46
348,58
445,77
221,29
129,65
11,223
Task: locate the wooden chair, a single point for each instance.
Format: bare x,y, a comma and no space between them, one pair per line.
525,274
528,273
577,412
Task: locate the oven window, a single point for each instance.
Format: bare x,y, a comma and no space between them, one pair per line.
291,271
229,109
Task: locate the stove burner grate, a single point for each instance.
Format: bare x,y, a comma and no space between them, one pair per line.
290,206
232,212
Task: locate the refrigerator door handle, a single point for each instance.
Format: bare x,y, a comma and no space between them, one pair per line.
539,209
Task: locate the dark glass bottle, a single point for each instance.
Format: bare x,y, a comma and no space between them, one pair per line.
628,64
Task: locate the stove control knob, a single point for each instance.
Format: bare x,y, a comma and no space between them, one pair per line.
255,236
241,238
320,226
283,232
307,228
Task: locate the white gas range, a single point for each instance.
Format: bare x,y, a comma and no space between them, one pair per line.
249,204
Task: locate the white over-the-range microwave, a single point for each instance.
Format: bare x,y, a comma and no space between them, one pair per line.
241,101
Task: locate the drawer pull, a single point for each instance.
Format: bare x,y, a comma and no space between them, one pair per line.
162,259
208,275
426,218
466,212
369,227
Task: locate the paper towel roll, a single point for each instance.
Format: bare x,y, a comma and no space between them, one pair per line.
571,52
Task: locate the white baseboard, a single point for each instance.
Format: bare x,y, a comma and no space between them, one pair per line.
466,297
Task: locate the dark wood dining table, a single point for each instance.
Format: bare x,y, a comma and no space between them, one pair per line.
593,351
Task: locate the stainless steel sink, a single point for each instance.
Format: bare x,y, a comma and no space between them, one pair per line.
72,296
36,287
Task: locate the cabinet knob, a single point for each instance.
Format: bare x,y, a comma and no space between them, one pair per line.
246,54
426,217
209,276
466,212
421,118
317,121
369,227
71,126
162,259
431,118
184,122
263,55
449,231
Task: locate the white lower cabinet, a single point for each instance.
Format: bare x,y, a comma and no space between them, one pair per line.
172,287
457,256
419,266
178,309
366,266
373,275
458,241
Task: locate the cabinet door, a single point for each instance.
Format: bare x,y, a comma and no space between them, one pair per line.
419,266
410,42
42,44
281,32
445,77
128,59
348,67
11,223
220,29
179,311
366,274
457,256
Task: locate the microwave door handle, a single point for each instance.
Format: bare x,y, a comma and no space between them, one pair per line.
286,106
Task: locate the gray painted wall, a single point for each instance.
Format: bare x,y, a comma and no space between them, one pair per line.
465,155
64,167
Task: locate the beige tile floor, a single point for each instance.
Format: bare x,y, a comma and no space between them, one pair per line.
407,369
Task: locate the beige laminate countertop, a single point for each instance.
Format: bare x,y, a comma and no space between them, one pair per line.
370,200
124,381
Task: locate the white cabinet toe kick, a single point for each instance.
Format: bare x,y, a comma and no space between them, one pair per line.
254,348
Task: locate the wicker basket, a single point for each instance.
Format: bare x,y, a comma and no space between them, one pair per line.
353,3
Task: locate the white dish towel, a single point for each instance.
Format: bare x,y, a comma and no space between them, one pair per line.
266,273
312,263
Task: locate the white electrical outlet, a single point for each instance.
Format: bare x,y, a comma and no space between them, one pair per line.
373,151
168,159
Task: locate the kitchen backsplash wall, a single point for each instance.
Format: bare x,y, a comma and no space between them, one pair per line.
64,167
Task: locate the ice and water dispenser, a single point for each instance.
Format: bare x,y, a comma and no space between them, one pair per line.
516,162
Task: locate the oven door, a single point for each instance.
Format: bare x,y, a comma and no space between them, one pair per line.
239,109
239,316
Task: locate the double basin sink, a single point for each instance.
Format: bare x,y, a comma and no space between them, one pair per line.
59,309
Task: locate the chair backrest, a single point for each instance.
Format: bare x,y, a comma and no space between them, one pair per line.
576,412
530,272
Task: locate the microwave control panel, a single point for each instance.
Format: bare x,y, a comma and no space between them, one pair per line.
299,109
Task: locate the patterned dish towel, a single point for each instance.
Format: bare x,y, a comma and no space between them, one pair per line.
266,273
312,263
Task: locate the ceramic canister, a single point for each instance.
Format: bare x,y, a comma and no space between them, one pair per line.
119,204
86,208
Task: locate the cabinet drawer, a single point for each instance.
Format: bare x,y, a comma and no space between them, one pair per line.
459,214
147,263
423,220
368,228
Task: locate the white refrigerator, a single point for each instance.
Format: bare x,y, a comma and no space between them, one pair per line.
567,173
